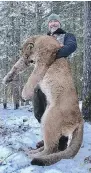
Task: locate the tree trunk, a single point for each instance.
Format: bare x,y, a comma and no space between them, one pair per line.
38,17
5,64
15,86
86,108
15,24
5,97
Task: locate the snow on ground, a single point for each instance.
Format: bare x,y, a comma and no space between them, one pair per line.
19,128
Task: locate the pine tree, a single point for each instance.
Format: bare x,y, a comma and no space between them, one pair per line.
86,108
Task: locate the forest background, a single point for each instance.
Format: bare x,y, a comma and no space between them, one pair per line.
21,19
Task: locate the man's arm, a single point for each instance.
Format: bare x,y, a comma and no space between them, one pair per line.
69,47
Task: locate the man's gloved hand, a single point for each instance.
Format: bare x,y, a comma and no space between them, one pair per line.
58,55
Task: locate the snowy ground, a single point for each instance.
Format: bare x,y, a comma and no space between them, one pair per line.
19,128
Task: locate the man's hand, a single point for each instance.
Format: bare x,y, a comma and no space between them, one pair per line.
58,51
61,45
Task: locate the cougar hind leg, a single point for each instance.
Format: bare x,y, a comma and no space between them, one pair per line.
51,132
68,153
61,146
50,135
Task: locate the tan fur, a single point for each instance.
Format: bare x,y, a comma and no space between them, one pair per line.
62,116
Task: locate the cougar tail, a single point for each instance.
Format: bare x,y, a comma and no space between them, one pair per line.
68,153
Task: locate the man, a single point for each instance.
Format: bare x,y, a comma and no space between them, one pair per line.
67,39
68,45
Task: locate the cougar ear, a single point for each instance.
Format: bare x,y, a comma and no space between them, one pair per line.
31,45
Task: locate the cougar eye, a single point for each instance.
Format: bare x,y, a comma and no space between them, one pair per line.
31,61
31,45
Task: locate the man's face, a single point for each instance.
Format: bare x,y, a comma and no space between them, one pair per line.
53,25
